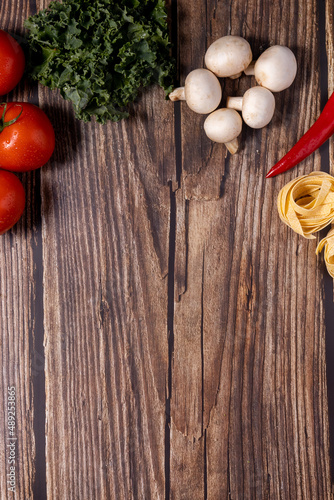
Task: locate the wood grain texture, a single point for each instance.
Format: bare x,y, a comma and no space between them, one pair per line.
164,330
329,13
106,239
249,353
105,234
21,325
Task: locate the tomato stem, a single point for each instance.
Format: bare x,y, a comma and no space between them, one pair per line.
4,124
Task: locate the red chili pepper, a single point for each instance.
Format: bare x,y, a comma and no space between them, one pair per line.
320,132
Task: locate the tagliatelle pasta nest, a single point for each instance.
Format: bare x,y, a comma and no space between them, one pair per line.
306,204
328,243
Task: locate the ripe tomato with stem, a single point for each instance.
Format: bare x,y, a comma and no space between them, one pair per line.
27,138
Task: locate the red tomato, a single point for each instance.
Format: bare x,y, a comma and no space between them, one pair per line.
29,142
12,200
12,63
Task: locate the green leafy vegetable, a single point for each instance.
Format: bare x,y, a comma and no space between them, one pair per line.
100,52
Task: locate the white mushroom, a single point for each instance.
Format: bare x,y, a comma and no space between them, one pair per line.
201,91
224,125
228,56
257,106
275,69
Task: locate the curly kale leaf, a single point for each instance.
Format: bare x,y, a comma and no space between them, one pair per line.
100,52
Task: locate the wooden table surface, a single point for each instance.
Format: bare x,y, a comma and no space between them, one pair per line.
164,331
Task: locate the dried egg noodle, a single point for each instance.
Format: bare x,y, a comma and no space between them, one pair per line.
328,243
306,204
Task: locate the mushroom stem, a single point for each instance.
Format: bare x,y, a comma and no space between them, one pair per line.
177,94
232,146
234,77
250,70
257,106
234,103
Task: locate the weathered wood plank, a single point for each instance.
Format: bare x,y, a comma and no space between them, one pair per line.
187,475
202,178
247,359
330,60
105,248
21,325
249,350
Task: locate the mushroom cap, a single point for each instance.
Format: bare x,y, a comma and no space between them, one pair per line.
223,125
203,91
258,106
276,68
228,56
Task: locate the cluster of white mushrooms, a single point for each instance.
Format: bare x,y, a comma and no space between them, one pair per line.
228,57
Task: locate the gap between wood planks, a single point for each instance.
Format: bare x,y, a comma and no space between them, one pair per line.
171,258
38,361
171,280
38,353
